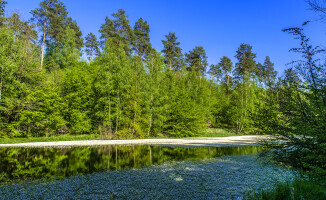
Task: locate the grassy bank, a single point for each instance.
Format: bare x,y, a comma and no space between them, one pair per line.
48,139
211,132
298,189
218,132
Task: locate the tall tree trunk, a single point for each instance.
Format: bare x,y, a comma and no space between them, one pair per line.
227,83
151,117
170,64
118,110
1,85
43,44
109,97
91,55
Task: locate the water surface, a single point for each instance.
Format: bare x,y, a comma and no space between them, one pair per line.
21,164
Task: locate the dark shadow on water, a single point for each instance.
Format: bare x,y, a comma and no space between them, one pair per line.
21,164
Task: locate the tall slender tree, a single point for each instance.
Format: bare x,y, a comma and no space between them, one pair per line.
243,95
216,72
57,13
2,7
119,30
92,46
270,72
40,16
50,18
2,11
196,59
226,66
142,44
246,63
172,52
260,73
72,24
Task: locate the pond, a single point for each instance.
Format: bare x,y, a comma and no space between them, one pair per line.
52,163
135,172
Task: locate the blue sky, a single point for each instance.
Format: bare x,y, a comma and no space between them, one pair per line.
220,26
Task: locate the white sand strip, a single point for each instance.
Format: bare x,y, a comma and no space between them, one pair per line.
204,141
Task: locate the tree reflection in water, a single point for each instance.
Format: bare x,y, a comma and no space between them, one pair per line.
21,164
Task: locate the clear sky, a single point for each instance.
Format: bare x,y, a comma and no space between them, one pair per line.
220,26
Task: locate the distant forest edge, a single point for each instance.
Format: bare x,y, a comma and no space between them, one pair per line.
128,89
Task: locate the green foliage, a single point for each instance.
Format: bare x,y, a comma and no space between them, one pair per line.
92,46
223,68
77,92
173,56
44,114
2,11
78,35
62,55
64,137
142,44
51,17
246,64
118,30
18,73
299,189
186,116
301,107
196,59
2,7
217,132
129,90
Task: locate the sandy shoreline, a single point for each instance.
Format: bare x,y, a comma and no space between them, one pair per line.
204,141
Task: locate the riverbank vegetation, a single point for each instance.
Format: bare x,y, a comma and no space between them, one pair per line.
302,127
210,132
125,88
298,189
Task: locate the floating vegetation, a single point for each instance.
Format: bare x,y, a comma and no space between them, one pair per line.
228,177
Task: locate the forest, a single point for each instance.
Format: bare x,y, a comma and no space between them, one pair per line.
54,81
124,88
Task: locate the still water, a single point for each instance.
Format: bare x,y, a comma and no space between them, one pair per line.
21,164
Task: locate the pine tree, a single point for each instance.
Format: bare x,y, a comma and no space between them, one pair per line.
92,46
270,72
246,64
172,52
216,72
142,44
118,30
243,94
64,54
50,18
57,13
260,73
72,24
196,59
223,68
2,7
2,11
40,16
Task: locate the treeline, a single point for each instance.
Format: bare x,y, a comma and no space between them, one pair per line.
126,88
